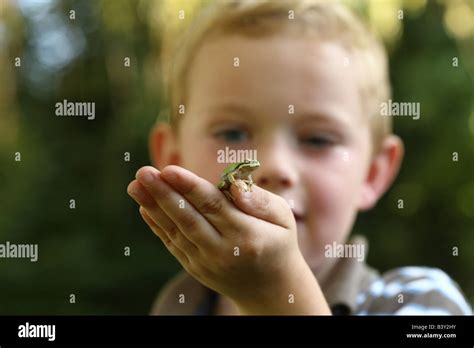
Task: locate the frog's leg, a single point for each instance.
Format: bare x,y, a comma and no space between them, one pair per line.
250,182
225,186
230,179
240,183
228,195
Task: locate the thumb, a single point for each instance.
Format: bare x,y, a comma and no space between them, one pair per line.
263,205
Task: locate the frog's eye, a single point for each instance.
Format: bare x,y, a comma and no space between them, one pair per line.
232,135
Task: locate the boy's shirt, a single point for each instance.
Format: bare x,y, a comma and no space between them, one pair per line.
352,288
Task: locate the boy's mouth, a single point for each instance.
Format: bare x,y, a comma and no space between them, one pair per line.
297,209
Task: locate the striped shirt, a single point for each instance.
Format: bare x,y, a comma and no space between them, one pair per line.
352,288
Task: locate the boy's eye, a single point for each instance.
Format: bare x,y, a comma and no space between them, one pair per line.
232,135
317,141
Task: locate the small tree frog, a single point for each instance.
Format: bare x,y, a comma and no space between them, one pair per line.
238,174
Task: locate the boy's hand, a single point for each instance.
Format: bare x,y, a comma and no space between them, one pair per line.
249,254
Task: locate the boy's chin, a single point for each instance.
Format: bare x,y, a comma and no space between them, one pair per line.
315,260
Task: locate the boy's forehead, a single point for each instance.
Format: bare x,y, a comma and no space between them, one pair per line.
236,54
273,70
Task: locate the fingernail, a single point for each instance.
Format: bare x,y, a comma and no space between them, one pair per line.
147,178
247,194
133,192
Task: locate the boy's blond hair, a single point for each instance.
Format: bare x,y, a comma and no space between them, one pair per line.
323,20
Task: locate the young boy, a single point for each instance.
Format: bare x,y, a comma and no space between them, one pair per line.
300,82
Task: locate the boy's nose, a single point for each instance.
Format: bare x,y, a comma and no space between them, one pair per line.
274,183
277,172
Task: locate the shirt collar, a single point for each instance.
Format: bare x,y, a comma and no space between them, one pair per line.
347,277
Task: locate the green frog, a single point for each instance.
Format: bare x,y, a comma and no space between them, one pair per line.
238,174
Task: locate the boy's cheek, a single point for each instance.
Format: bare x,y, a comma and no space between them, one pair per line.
198,154
203,164
331,203
334,188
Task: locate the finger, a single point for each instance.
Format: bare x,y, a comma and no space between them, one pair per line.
158,216
140,194
203,195
264,205
155,228
189,221
144,198
172,248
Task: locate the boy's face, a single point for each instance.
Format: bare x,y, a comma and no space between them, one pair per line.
316,158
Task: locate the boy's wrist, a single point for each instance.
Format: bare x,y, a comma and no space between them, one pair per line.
295,292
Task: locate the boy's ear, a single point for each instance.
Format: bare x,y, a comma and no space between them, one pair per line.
163,146
383,169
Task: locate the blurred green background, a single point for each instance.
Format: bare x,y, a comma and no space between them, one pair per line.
82,250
